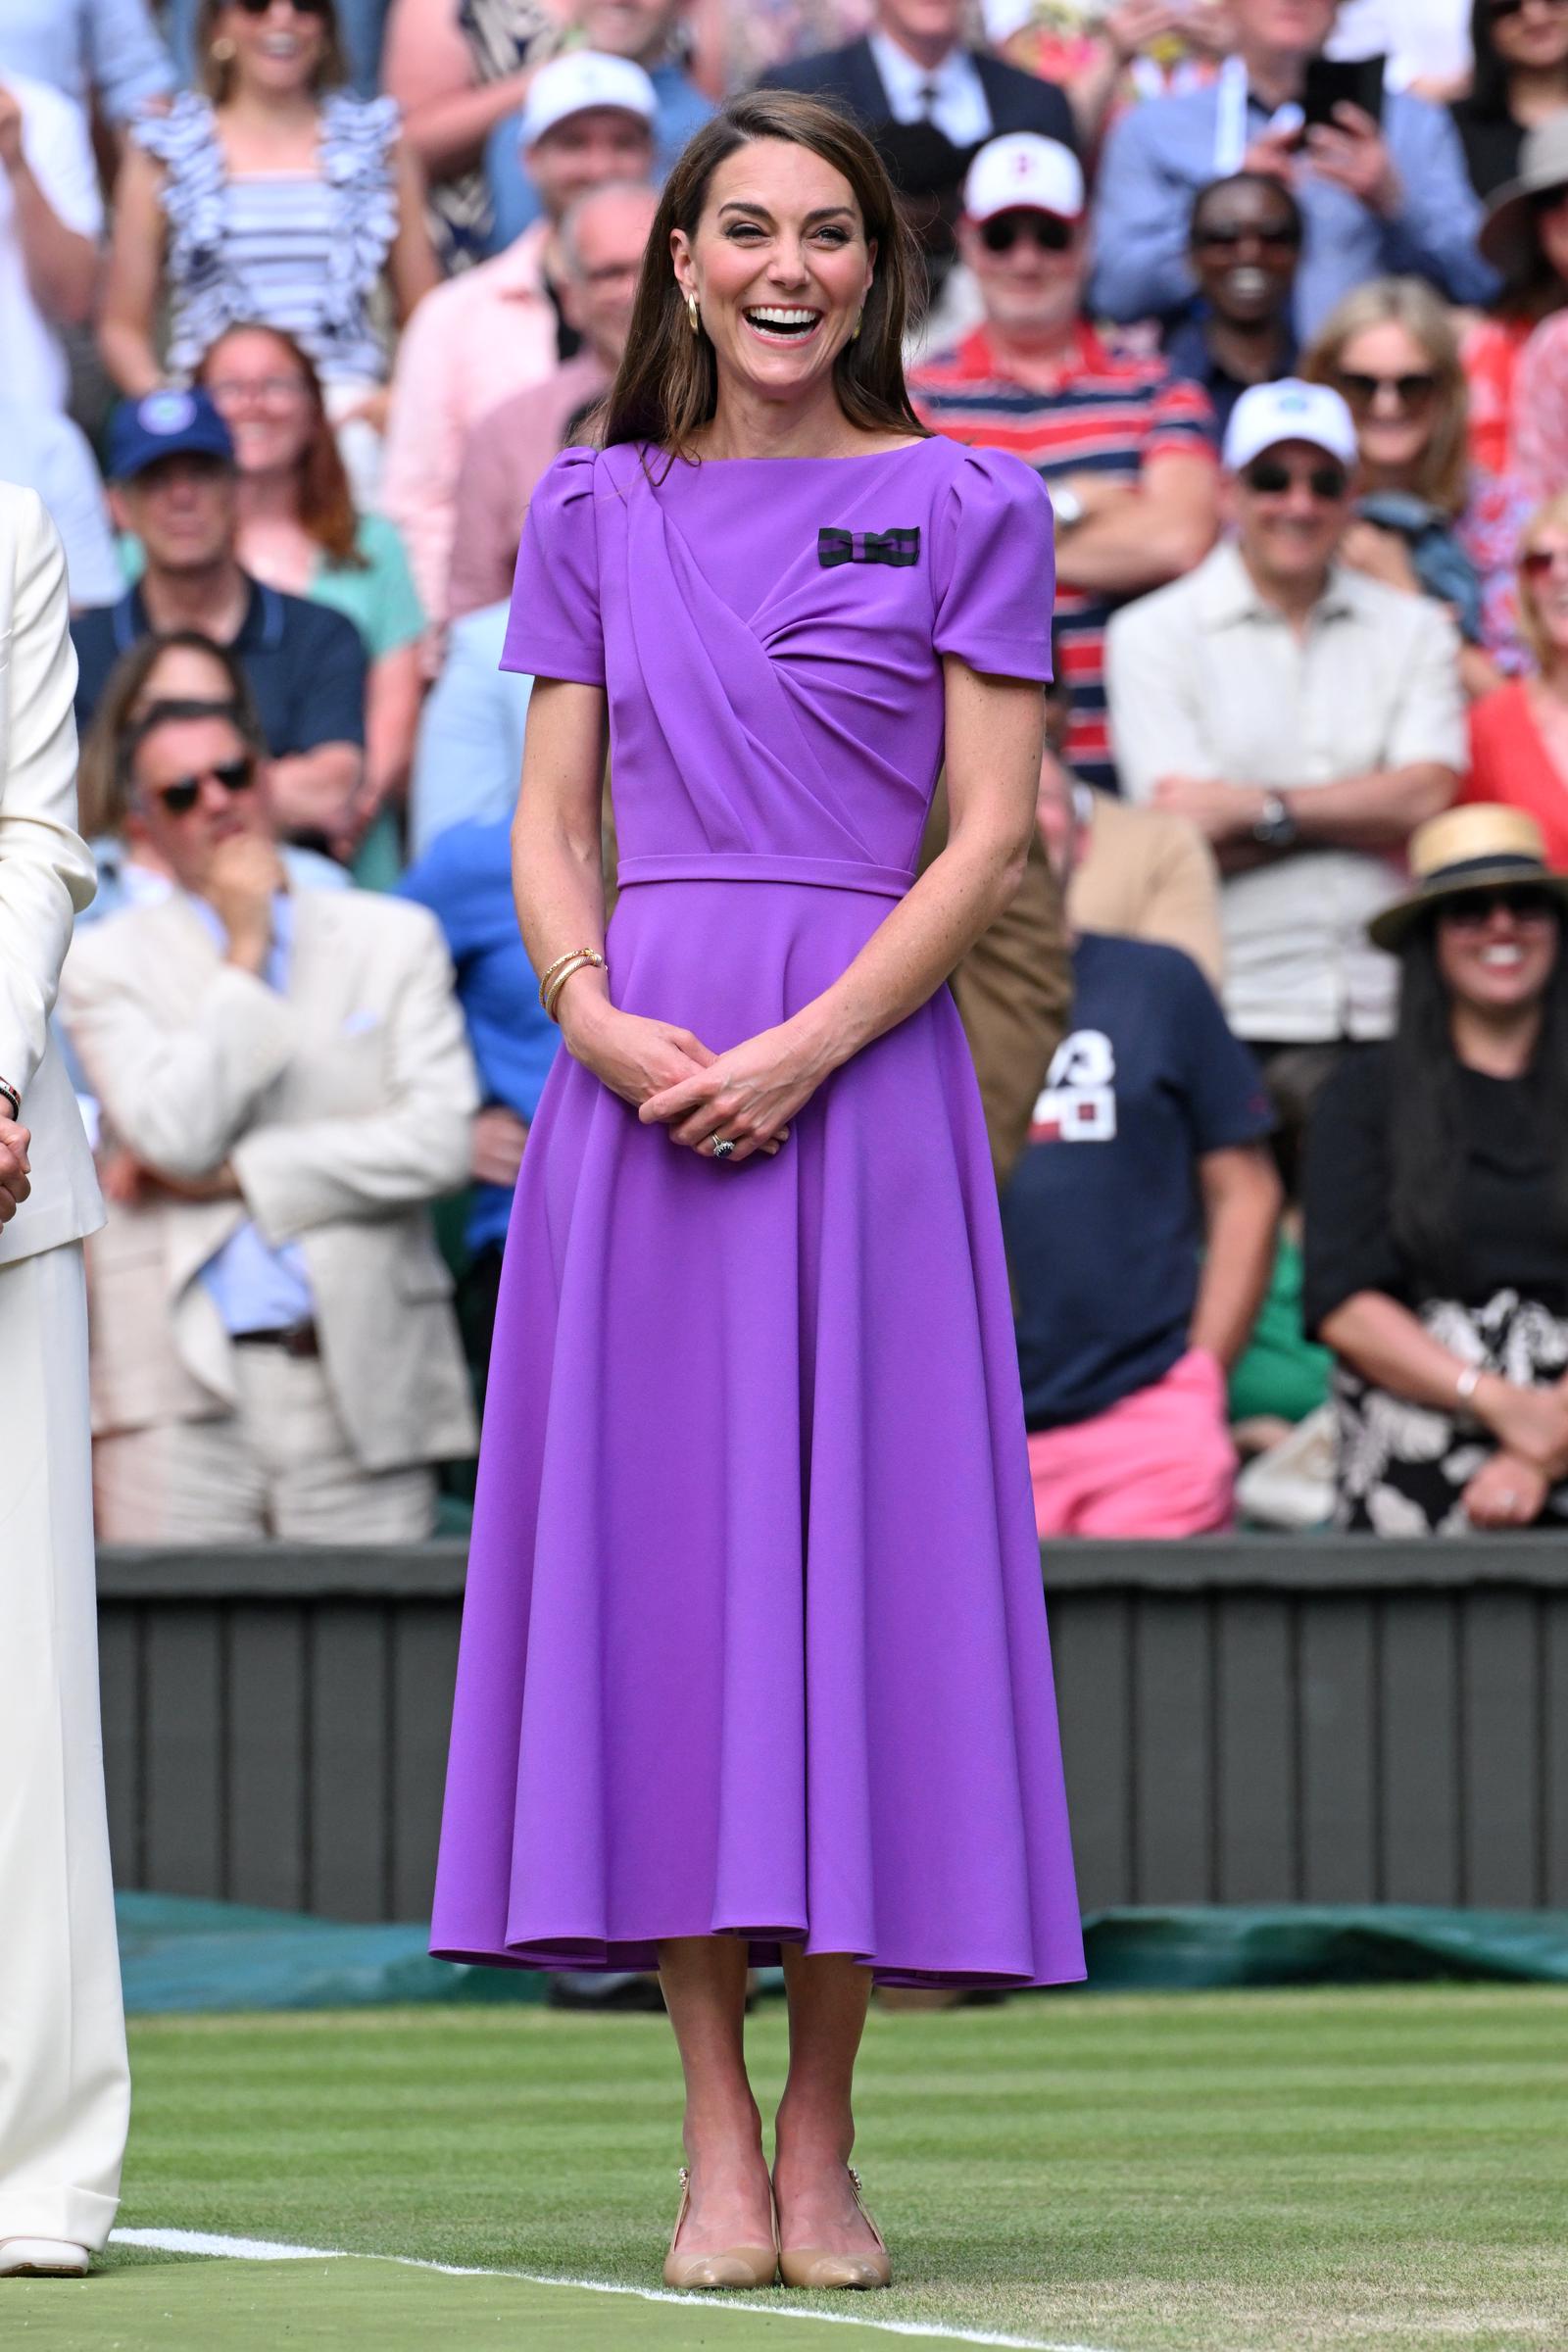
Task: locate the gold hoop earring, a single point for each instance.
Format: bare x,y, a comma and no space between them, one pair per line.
222,51
693,315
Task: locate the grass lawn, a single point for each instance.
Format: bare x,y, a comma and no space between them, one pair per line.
1214,2173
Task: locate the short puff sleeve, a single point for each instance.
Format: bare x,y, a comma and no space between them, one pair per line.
994,568
554,629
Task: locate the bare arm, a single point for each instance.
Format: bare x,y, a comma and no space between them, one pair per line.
391,721
1242,1201
1386,1345
1133,539
1375,811
412,267
61,264
427,68
995,733
135,268
313,791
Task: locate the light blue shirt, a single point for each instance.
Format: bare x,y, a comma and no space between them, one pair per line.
253,1286
1163,151
681,110
47,452
86,48
468,757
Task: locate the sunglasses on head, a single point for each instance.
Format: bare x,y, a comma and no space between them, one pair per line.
1282,238
1049,233
1412,391
182,797
301,8
1270,478
1525,903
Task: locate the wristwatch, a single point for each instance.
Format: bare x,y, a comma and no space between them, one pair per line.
1276,828
1067,507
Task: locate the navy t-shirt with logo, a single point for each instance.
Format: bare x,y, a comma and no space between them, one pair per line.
1103,1218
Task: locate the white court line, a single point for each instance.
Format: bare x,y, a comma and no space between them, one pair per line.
261,2249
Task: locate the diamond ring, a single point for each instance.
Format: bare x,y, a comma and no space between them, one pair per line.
722,1144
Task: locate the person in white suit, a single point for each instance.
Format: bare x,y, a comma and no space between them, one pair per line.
64,2087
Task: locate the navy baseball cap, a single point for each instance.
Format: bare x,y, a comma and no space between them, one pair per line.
171,424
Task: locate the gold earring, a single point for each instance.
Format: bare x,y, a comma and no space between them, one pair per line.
222,51
855,331
693,315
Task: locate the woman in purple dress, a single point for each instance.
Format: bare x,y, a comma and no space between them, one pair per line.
753,1652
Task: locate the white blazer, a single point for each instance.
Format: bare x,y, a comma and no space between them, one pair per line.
46,872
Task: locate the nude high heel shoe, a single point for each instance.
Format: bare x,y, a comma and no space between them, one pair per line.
808,2266
734,2266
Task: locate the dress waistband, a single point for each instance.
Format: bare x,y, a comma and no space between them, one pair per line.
830,873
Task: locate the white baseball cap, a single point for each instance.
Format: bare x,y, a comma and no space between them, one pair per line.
571,85
1024,172
1288,411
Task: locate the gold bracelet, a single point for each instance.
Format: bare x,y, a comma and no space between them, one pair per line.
584,957
546,976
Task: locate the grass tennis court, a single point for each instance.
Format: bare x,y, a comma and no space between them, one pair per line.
1219,2173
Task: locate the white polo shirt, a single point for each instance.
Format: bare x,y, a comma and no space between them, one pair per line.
55,141
1207,679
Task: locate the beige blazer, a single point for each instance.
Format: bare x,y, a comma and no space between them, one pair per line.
46,872
344,1108
1143,874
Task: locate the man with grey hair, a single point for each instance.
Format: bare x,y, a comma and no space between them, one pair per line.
601,241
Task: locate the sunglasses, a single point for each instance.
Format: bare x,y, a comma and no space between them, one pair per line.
1525,904
1282,239
1050,234
1536,563
182,797
1500,8
1412,391
301,8
1270,478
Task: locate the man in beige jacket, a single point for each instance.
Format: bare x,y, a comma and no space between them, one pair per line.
65,2093
285,1089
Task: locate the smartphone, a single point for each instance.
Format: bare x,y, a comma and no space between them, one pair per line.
1333,81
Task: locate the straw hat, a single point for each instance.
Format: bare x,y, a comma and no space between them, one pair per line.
1508,232
1484,846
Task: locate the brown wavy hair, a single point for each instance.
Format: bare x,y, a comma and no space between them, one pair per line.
668,383
1410,303
215,74
325,503
103,772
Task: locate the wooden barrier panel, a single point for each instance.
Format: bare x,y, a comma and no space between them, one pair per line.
1323,1720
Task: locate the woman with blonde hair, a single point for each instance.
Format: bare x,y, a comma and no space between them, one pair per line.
271,193
1519,734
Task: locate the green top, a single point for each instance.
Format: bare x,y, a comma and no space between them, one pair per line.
380,599
1282,1371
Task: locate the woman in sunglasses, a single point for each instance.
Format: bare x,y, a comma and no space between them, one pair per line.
1390,348
1520,78
270,195
1519,735
1436,1208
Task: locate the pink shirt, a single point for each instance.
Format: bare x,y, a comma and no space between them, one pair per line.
471,343
504,453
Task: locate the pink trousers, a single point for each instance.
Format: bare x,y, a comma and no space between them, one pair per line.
1160,1463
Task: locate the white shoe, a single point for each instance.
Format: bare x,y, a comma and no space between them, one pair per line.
42,2258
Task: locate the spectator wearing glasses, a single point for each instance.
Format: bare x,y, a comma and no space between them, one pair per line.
285,1089
1525,235
507,448
1375,196
1437,1228
1391,349
174,488
269,194
1519,79
1126,450
1245,246
1519,735
1306,717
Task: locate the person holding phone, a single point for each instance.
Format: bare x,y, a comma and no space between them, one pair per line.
1379,174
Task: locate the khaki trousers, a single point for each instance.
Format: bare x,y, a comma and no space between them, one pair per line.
65,2088
280,1466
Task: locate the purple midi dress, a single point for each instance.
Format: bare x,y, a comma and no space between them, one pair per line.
754,1640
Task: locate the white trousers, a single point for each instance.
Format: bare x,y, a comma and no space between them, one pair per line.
65,2085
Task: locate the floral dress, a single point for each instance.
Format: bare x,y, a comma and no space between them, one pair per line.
300,251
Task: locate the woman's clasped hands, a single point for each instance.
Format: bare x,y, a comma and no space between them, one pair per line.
749,1094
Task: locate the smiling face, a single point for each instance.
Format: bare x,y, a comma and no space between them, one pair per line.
1533,38
780,266
258,388
281,52
1245,245
1544,585
1497,950
1032,287
183,509
1291,506
1388,377
598,143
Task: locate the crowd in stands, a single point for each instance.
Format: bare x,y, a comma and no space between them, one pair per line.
297,301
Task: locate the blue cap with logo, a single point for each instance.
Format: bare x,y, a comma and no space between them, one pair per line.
171,424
